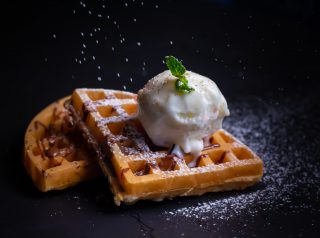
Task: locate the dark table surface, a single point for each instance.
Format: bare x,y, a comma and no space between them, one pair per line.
264,56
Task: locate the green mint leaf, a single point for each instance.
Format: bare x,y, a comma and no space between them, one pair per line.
177,69
175,66
179,83
183,79
182,87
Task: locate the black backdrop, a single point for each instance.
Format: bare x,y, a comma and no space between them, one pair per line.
264,56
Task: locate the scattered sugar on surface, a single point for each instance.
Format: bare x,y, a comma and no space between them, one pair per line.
275,131
269,128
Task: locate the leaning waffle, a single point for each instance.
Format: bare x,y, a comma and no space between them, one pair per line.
53,156
137,169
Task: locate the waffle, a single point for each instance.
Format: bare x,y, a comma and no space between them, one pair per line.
53,156
137,169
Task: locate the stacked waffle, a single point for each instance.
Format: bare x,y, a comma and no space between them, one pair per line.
135,167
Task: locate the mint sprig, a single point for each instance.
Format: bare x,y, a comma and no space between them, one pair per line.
177,69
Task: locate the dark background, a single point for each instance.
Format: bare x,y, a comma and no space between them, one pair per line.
263,55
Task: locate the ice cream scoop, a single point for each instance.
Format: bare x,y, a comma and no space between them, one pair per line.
170,117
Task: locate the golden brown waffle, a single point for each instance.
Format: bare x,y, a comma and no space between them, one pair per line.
53,156
139,170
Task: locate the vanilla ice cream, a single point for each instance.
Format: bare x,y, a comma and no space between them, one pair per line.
182,119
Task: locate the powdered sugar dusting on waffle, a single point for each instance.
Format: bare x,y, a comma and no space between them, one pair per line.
138,162
107,98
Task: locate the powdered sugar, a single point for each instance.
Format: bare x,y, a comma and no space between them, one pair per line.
275,131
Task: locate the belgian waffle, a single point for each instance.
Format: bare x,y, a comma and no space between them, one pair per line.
137,169
53,156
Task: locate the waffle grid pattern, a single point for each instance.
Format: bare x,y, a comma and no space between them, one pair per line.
52,159
145,171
